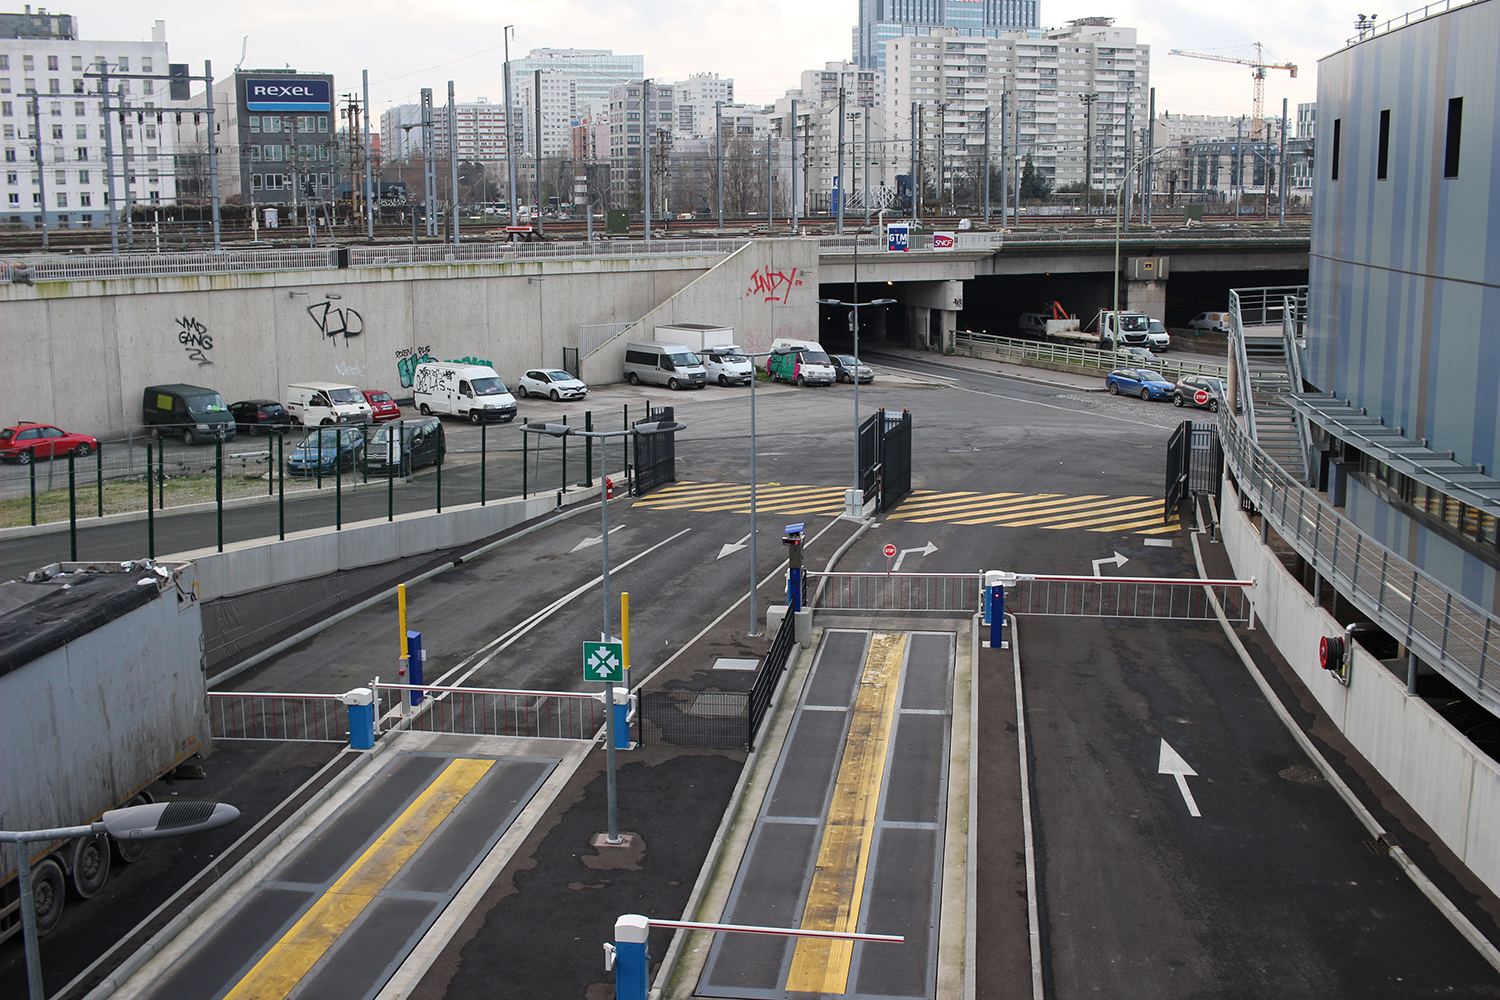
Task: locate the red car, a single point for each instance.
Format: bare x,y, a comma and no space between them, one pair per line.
382,406
25,439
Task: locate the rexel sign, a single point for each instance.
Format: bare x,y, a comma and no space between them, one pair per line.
288,95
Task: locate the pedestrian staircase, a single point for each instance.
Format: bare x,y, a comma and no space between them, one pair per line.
1264,325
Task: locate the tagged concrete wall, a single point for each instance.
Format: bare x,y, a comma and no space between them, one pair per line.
1452,785
78,353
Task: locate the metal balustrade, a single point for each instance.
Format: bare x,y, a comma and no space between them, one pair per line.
558,715
956,593
989,345
1116,597
319,718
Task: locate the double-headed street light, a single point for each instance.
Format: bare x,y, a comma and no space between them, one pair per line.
754,563
564,430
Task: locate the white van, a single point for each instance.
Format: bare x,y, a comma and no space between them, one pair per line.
727,365
672,365
800,361
316,404
461,390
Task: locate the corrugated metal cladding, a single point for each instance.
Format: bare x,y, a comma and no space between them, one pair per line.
1404,302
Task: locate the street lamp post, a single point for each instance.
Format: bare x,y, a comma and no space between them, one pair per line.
565,430
754,559
130,824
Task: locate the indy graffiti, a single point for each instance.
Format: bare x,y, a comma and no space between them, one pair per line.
336,321
773,285
194,338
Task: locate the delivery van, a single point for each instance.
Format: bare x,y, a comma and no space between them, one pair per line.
318,404
726,364
672,365
462,390
195,412
800,361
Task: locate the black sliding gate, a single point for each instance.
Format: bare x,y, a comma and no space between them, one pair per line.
885,458
1195,466
655,454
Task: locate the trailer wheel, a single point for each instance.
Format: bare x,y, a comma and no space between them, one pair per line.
48,893
90,865
132,850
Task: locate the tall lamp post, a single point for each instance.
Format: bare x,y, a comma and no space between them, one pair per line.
754,560
133,823
1118,211
565,430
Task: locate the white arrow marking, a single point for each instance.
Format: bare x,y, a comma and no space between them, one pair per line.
729,548
593,541
1117,559
1171,762
925,550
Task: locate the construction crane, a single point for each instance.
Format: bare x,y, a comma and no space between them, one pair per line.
1258,67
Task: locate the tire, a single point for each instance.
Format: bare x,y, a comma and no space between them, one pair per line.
23,457
90,865
49,890
476,417
188,439
801,382
632,378
1146,394
556,396
424,410
1213,406
129,851
724,380
1177,400
1114,389
296,421
672,384
327,422
82,451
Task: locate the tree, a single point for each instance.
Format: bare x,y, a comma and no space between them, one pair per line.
1034,184
473,183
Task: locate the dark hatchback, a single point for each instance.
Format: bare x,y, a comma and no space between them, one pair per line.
260,416
422,443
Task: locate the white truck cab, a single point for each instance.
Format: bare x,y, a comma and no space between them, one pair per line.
317,404
462,390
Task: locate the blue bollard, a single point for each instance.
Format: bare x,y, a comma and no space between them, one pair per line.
994,604
623,704
632,960
416,658
361,704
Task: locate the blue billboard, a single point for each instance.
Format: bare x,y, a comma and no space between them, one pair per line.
288,95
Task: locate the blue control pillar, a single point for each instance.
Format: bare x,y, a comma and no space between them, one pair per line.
792,538
361,703
417,657
632,961
995,583
624,702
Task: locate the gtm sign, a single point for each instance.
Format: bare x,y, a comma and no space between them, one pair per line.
288,95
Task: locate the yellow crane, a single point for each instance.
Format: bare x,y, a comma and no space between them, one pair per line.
1258,67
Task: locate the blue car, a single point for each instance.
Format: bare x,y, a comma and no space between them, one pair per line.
1142,382
327,448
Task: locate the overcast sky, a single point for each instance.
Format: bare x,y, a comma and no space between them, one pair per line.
763,45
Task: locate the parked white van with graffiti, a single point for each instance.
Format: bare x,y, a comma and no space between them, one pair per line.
473,391
315,404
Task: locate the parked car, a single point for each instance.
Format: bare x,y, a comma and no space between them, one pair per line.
422,442
327,449
672,365
1212,322
1156,333
19,443
1206,391
1135,355
260,416
552,383
1142,382
727,365
844,369
382,406
196,412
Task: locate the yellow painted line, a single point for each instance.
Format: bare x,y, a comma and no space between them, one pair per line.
820,965
1029,505
1160,529
970,503
290,959
1080,520
1040,514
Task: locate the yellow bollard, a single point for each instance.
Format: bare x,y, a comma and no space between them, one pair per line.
401,614
625,630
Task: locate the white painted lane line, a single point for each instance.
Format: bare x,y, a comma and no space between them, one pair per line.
1162,543
1171,762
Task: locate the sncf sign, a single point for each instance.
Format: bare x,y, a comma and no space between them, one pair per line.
288,95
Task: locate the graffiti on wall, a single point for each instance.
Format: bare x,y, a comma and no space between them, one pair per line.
774,286
352,369
466,360
407,360
194,338
334,321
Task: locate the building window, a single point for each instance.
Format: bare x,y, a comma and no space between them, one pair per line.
62,199
80,132
1383,146
145,64
77,64
52,63
5,62
15,199
5,109
255,182
56,109
80,109
83,153
54,86
57,131
123,64
255,123
62,177
1338,134
1455,130
146,86
83,178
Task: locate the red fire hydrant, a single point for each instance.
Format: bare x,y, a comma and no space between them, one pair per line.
609,488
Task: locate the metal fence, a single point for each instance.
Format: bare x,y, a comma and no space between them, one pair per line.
951,593
1446,630
556,715
320,718
1117,597
984,345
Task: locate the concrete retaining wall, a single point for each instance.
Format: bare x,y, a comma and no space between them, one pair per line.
251,566
1451,784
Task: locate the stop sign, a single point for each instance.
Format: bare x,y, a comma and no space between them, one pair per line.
889,550
1200,397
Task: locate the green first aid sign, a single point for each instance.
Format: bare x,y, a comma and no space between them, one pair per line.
603,661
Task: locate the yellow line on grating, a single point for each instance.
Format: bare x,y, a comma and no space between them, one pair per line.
821,965
290,959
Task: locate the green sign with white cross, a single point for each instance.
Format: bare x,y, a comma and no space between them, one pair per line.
604,661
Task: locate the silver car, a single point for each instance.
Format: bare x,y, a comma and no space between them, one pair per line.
552,383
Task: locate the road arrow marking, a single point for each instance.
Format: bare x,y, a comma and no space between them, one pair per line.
925,550
729,548
1117,559
593,541
1171,762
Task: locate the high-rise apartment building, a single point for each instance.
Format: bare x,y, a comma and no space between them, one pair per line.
880,21
638,113
594,71
557,110
697,96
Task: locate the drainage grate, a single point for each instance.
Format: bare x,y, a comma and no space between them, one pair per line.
1378,847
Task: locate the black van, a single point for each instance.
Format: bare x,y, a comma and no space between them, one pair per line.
422,443
193,411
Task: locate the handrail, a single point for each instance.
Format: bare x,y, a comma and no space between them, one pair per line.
1069,354
1289,318
1241,359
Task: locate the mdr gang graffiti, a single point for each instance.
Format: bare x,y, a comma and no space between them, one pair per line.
80,352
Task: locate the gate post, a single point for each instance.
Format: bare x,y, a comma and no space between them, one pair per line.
995,582
361,703
632,959
416,660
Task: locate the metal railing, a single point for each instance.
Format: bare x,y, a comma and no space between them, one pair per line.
956,593
1292,319
989,345
319,718
557,715
1119,597
1410,17
1244,397
1446,630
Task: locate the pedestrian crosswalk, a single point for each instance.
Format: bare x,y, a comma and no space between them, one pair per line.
1081,512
